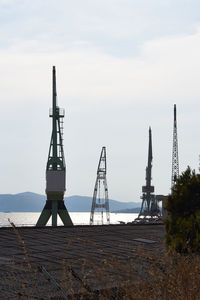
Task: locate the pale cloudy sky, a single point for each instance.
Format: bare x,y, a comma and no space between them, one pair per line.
121,65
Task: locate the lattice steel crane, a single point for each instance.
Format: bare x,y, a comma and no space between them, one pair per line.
175,161
100,202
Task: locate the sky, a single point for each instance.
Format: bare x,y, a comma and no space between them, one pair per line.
121,66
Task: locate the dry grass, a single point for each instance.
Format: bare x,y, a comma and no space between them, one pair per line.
140,277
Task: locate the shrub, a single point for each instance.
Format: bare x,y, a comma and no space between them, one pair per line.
183,206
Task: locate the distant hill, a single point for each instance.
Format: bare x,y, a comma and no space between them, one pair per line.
32,202
129,210
23,202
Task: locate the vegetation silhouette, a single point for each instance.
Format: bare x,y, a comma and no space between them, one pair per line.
182,224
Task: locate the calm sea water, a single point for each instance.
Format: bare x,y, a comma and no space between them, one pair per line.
78,218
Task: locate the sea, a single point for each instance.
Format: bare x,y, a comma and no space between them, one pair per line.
78,218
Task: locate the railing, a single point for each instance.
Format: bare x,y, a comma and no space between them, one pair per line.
60,112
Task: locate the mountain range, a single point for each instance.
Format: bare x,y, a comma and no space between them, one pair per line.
32,202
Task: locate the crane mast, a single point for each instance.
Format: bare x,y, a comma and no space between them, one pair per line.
148,187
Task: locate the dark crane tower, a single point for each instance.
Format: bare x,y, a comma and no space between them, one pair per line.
55,169
100,202
149,207
175,162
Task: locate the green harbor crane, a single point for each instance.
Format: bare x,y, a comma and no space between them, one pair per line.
55,169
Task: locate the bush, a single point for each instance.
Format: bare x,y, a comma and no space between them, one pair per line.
183,206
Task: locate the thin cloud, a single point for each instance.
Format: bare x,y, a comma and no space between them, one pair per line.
164,67
109,101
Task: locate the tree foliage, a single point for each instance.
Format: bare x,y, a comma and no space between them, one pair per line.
183,207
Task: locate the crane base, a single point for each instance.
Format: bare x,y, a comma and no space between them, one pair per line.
54,208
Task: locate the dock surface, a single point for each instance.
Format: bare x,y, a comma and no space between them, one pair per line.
69,260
